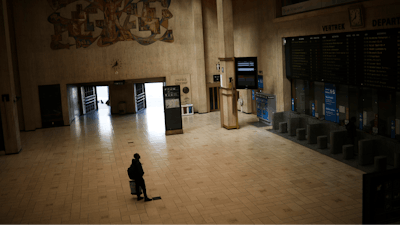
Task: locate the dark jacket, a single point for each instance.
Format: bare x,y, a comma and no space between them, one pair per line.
138,168
351,130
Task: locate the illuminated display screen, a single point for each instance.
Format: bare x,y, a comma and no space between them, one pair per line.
365,58
246,73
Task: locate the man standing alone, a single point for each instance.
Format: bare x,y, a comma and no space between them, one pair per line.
138,177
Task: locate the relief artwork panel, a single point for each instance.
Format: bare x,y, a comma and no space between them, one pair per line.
122,20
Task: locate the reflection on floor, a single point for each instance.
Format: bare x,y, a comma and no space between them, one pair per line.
78,174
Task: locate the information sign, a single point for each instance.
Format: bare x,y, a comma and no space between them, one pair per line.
363,58
172,108
330,102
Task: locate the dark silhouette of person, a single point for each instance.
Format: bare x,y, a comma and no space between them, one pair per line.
351,130
138,177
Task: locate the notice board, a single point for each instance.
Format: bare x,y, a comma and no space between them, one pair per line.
172,109
330,102
360,58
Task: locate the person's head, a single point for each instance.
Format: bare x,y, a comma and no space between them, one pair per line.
136,156
353,119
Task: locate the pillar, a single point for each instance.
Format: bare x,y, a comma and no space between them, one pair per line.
199,87
8,101
226,40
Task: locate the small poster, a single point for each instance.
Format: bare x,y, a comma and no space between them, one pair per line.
342,109
361,121
171,103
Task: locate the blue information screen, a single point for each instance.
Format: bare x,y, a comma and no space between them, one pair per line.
330,102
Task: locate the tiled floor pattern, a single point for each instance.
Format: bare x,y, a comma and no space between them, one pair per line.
77,174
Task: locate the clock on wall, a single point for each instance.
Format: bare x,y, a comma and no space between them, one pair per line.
116,64
356,17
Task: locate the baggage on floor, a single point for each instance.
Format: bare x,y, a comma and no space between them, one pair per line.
133,188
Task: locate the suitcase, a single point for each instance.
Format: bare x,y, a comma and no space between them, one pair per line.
133,188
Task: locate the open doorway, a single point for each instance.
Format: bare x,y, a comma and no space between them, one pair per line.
154,92
103,99
50,106
155,108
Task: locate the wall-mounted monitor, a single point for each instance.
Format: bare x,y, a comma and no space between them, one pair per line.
246,73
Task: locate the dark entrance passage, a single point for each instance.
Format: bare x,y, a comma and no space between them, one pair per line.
50,106
2,145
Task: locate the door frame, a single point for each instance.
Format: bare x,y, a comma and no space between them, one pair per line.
212,85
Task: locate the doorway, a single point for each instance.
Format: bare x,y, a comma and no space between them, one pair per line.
155,108
2,144
140,96
154,95
89,101
103,97
50,106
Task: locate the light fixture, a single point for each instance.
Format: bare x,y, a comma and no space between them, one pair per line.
218,66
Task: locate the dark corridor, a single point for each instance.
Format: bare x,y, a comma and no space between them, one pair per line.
2,145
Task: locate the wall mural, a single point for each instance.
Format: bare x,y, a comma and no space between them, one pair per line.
122,22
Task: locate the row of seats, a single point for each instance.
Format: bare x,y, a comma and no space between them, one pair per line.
366,154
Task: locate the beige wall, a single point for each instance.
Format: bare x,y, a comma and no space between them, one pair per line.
270,30
210,24
40,65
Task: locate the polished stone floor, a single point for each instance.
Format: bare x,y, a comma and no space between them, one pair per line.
77,174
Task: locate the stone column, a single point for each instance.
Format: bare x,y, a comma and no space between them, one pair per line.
225,39
8,102
199,82
228,101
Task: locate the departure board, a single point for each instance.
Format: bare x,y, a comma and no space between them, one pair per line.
365,58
